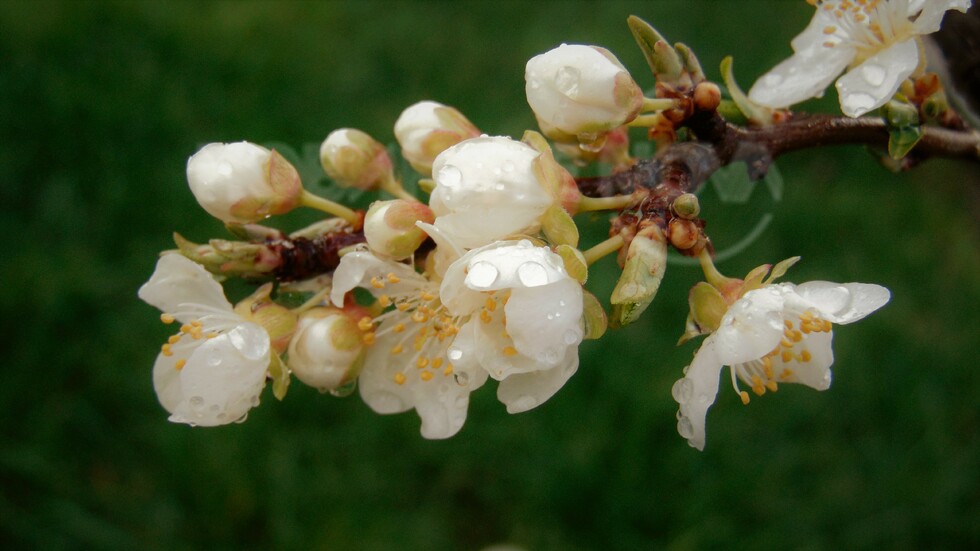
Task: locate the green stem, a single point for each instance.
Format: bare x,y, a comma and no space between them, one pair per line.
600,250
394,186
313,301
616,202
336,209
657,104
711,274
644,121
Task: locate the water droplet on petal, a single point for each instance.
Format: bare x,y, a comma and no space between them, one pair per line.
873,74
242,419
449,176
462,378
385,402
224,168
196,401
532,274
772,79
508,167
682,390
214,359
858,102
454,354
482,275
567,80
572,337
344,391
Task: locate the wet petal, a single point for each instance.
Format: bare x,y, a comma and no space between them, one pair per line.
524,391
872,83
803,76
356,269
752,327
178,280
696,392
931,17
544,321
843,302
813,370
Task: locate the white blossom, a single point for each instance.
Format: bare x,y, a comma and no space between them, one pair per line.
439,341
487,189
581,91
874,41
779,333
213,370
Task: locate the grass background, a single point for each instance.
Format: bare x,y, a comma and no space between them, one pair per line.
102,103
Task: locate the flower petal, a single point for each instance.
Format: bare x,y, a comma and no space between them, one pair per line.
523,391
478,224
491,350
815,371
843,303
803,76
222,378
931,16
752,327
178,280
376,382
696,392
545,321
872,83
356,269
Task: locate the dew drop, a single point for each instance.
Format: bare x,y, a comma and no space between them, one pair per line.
571,337
215,408
462,378
242,419
214,360
532,274
197,401
497,172
454,354
385,402
551,316
567,80
534,84
345,390
682,390
499,187
482,275
508,167
873,74
449,176
858,102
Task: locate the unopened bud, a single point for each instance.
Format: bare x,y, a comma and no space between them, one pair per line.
354,159
646,260
581,90
390,229
558,182
707,96
242,182
687,206
683,234
325,353
278,321
426,129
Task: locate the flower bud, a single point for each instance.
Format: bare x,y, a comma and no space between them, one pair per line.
389,227
325,353
242,182
277,320
582,91
646,260
428,128
354,159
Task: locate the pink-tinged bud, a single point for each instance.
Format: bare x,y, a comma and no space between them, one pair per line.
355,159
242,182
428,128
277,320
581,91
325,352
390,227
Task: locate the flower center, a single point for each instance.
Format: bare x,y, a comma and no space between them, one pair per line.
765,373
426,330
193,330
867,25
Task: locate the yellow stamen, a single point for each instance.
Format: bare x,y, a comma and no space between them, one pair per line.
397,349
173,339
426,375
165,350
393,278
368,338
365,323
436,363
400,378
180,364
510,351
805,356
449,370
422,362
384,301
491,304
398,328
744,396
787,356
377,283
485,316
771,385
403,306
167,318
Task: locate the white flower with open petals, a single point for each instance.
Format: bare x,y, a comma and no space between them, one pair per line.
487,189
213,370
437,342
779,333
875,41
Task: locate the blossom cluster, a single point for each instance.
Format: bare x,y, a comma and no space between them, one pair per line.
417,303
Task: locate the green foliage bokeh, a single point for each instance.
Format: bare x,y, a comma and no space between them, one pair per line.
102,103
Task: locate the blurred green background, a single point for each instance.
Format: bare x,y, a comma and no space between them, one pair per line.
102,103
